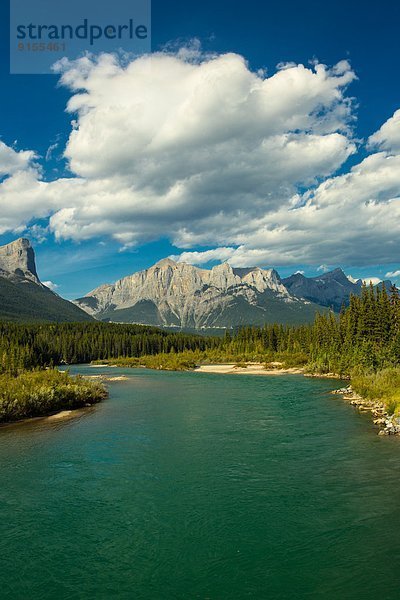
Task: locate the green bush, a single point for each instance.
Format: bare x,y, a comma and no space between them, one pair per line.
39,393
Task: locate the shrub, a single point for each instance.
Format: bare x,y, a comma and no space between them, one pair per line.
39,393
383,386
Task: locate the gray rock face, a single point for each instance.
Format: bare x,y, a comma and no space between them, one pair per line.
178,294
18,259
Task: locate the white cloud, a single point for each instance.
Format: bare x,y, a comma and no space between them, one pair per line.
38,233
24,196
201,258
393,274
180,145
12,161
388,136
203,151
237,257
352,279
51,150
52,286
323,268
373,280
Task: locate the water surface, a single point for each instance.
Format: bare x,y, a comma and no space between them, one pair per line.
185,485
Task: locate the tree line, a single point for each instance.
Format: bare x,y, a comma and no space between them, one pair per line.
25,346
366,334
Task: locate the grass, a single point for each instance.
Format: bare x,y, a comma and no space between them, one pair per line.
185,361
382,385
163,362
40,393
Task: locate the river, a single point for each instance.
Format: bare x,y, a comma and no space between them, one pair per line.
186,486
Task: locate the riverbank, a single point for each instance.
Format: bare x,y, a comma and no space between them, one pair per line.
388,424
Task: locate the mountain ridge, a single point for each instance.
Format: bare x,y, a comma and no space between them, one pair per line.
331,289
174,294
177,294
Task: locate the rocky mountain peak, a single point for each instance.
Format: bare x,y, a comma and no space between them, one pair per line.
18,258
224,267
337,274
297,276
164,262
222,276
264,279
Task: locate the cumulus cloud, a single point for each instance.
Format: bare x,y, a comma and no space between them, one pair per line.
237,257
350,218
388,136
200,258
24,196
167,142
12,161
204,151
393,274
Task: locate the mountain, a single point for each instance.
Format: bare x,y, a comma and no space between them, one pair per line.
330,289
18,259
22,295
181,295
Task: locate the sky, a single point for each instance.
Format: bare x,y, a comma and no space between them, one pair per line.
259,133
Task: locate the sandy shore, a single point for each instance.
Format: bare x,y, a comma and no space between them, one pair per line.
63,414
106,378
251,369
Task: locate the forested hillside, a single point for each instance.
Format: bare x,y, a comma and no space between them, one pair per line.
23,300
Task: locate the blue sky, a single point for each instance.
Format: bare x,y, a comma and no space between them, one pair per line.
33,117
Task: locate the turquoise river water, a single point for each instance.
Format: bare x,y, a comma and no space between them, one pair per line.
186,486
